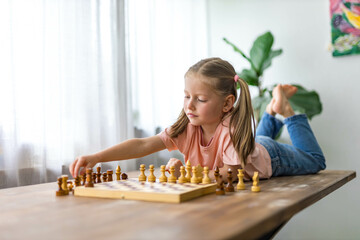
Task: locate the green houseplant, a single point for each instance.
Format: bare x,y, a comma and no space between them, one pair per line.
260,58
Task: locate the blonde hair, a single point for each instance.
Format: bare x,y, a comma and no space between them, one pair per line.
220,76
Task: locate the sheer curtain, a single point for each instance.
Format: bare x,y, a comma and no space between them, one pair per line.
165,38
63,87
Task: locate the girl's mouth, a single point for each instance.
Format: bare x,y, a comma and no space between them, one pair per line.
190,115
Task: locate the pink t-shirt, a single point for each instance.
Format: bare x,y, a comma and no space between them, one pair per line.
220,150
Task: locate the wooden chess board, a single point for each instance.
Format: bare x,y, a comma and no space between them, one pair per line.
132,189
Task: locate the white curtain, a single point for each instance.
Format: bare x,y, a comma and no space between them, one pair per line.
165,38
63,88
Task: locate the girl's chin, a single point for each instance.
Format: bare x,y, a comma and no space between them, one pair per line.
194,123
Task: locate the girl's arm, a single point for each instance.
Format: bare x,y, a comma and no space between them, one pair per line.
132,148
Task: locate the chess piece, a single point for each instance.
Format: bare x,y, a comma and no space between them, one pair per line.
98,175
104,177
194,179
229,186
110,175
216,173
118,173
199,173
182,178
220,186
255,187
60,191
77,181
151,177
64,184
172,178
163,177
188,171
70,186
94,177
142,176
84,178
89,181
124,176
240,185
206,179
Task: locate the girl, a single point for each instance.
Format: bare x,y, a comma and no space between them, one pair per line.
215,129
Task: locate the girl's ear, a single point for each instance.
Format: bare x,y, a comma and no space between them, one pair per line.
228,103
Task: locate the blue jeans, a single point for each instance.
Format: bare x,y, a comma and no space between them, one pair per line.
304,156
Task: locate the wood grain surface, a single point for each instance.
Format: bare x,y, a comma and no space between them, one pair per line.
34,212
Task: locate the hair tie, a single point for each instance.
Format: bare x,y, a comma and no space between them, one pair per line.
236,78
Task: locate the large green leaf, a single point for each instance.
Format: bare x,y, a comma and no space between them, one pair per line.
236,49
249,75
305,101
259,104
267,62
260,51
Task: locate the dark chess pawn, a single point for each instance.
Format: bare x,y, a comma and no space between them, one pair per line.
98,175
89,178
124,176
220,186
104,177
83,179
216,173
77,181
229,186
60,192
110,175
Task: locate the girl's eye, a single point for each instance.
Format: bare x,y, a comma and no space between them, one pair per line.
201,100
186,97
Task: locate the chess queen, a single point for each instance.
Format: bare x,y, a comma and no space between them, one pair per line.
215,128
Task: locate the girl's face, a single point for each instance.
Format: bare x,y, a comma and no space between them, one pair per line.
201,104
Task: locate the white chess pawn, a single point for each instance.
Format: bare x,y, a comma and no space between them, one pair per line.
182,178
163,177
151,177
142,176
206,179
172,177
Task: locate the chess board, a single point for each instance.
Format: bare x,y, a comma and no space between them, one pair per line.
132,189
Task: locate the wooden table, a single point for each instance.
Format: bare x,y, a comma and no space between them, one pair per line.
34,212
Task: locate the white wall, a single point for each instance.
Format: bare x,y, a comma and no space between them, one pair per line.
302,30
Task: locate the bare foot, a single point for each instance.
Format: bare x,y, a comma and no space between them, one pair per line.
289,90
280,103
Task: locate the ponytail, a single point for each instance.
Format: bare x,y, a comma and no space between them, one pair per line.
241,124
179,126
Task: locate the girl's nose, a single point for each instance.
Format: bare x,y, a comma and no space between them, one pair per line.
190,104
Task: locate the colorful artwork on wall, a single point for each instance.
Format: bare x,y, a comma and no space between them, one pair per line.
345,27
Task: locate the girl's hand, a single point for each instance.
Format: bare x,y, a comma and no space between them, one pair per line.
85,162
176,163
